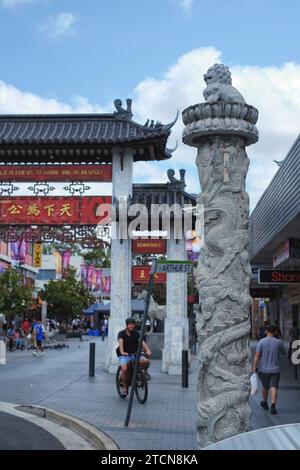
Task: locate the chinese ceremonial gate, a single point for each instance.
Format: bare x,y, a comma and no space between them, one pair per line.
75,148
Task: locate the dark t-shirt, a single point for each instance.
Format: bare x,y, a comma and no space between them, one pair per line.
130,342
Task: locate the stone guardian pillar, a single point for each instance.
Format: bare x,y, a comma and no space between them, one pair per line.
220,129
120,303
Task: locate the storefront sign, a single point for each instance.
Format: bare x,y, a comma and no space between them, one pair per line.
37,255
149,246
141,275
290,249
56,173
51,210
278,276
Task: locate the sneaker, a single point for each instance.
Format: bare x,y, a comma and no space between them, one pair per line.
273,410
34,353
264,405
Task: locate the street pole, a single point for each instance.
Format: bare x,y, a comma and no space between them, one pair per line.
139,350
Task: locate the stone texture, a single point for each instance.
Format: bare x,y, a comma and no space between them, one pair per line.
120,306
176,322
221,129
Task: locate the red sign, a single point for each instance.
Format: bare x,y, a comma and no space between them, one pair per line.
156,246
56,173
141,275
52,210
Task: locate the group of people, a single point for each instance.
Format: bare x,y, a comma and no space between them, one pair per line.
28,334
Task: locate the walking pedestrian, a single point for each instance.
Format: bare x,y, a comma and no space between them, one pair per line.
39,336
267,356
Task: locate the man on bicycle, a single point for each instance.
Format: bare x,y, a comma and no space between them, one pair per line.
128,345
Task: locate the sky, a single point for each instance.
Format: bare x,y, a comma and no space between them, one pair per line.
78,56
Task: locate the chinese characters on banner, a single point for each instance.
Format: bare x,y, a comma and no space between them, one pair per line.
37,255
52,210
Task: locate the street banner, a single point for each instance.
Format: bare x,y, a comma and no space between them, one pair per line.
66,261
46,210
57,173
141,275
90,273
19,250
151,246
174,267
84,274
98,280
37,255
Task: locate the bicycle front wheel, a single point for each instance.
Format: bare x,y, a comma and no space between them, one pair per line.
119,384
141,388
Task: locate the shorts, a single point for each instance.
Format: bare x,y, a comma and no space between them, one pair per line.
126,359
39,342
269,380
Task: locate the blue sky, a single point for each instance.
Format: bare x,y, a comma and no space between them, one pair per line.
82,54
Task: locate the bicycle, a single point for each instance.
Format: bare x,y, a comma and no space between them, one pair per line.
141,388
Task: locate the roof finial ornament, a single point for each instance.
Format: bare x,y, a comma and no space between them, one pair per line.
174,182
121,112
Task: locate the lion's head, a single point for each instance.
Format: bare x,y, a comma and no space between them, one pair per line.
218,73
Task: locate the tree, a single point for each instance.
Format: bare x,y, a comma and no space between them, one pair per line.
15,298
100,257
66,298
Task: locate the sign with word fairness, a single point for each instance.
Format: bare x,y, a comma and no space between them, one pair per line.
52,210
174,267
56,173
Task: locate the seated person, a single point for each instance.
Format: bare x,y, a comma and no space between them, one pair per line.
128,345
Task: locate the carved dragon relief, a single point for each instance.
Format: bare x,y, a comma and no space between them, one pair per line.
224,273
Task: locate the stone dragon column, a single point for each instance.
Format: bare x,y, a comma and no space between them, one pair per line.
220,129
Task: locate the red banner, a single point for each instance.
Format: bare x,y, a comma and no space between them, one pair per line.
51,210
141,275
155,246
56,173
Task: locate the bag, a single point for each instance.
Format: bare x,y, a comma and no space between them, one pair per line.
28,336
254,384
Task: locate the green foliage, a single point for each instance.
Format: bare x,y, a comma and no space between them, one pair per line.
66,298
15,298
99,257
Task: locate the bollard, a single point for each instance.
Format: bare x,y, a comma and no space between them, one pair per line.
92,359
185,369
2,352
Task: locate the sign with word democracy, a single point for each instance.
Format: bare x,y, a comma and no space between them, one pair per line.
141,275
278,276
174,267
56,173
52,210
150,246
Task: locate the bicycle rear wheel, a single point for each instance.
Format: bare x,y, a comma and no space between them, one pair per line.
119,384
141,388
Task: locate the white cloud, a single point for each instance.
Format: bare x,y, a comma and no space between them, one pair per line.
275,91
186,5
62,25
15,101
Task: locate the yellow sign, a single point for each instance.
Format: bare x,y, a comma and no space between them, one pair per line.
37,255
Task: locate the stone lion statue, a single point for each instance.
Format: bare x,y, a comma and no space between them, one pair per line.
155,310
219,86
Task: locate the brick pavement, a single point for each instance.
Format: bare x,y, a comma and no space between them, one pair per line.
60,380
